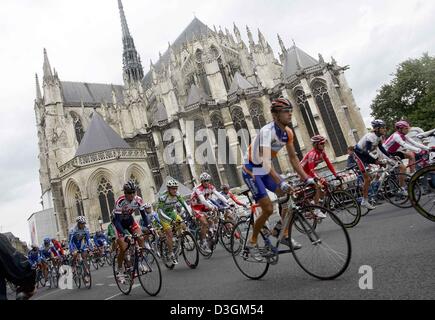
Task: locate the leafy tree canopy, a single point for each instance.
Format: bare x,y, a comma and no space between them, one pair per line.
410,95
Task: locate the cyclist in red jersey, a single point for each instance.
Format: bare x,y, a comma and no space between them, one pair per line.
311,160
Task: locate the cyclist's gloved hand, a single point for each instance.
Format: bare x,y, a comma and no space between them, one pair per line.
284,186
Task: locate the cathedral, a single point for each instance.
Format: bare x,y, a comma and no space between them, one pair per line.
94,137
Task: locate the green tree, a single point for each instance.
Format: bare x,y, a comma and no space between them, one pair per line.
410,95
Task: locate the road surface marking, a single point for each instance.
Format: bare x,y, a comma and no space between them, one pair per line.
117,295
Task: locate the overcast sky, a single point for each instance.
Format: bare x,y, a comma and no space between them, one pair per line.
83,39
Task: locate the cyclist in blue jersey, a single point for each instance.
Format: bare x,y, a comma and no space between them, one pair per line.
100,241
79,240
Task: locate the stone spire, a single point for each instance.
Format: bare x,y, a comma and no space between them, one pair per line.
38,89
261,39
251,38
237,33
281,44
133,70
48,73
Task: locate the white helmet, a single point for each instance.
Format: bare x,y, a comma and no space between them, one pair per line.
204,177
147,205
81,219
172,184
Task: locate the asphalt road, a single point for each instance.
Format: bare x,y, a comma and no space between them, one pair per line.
398,244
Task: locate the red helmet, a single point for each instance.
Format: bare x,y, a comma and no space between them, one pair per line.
402,124
281,104
318,139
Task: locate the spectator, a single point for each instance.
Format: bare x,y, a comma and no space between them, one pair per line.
15,268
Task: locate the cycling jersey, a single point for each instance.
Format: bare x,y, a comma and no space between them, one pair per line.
255,176
270,136
47,251
58,247
367,145
123,215
111,232
398,140
154,218
100,241
312,159
34,257
167,209
79,239
201,197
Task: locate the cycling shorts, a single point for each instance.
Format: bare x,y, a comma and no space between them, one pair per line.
258,184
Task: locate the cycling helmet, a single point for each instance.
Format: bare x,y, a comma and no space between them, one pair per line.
172,184
129,187
378,124
147,205
81,220
318,139
35,248
402,124
281,104
47,241
204,177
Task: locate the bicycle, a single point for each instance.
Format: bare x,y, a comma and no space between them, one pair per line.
423,204
183,242
138,263
331,241
82,272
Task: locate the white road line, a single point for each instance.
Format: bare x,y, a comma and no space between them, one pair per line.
117,295
112,285
111,277
99,284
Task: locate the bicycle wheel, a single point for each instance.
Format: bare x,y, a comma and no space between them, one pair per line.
77,277
225,232
149,273
247,265
326,251
204,253
165,254
101,261
124,280
394,192
425,204
189,249
94,262
310,217
86,275
345,206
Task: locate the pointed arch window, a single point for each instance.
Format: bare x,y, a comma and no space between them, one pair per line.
153,160
173,169
78,202
78,127
241,128
207,167
330,119
201,72
229,166
307,115
106,198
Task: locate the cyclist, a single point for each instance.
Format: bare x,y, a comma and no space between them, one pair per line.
202,205
34,257
111,236
259,174
364,150
311,160
124,222
167,212
79,240
399,145
100,241
229,195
